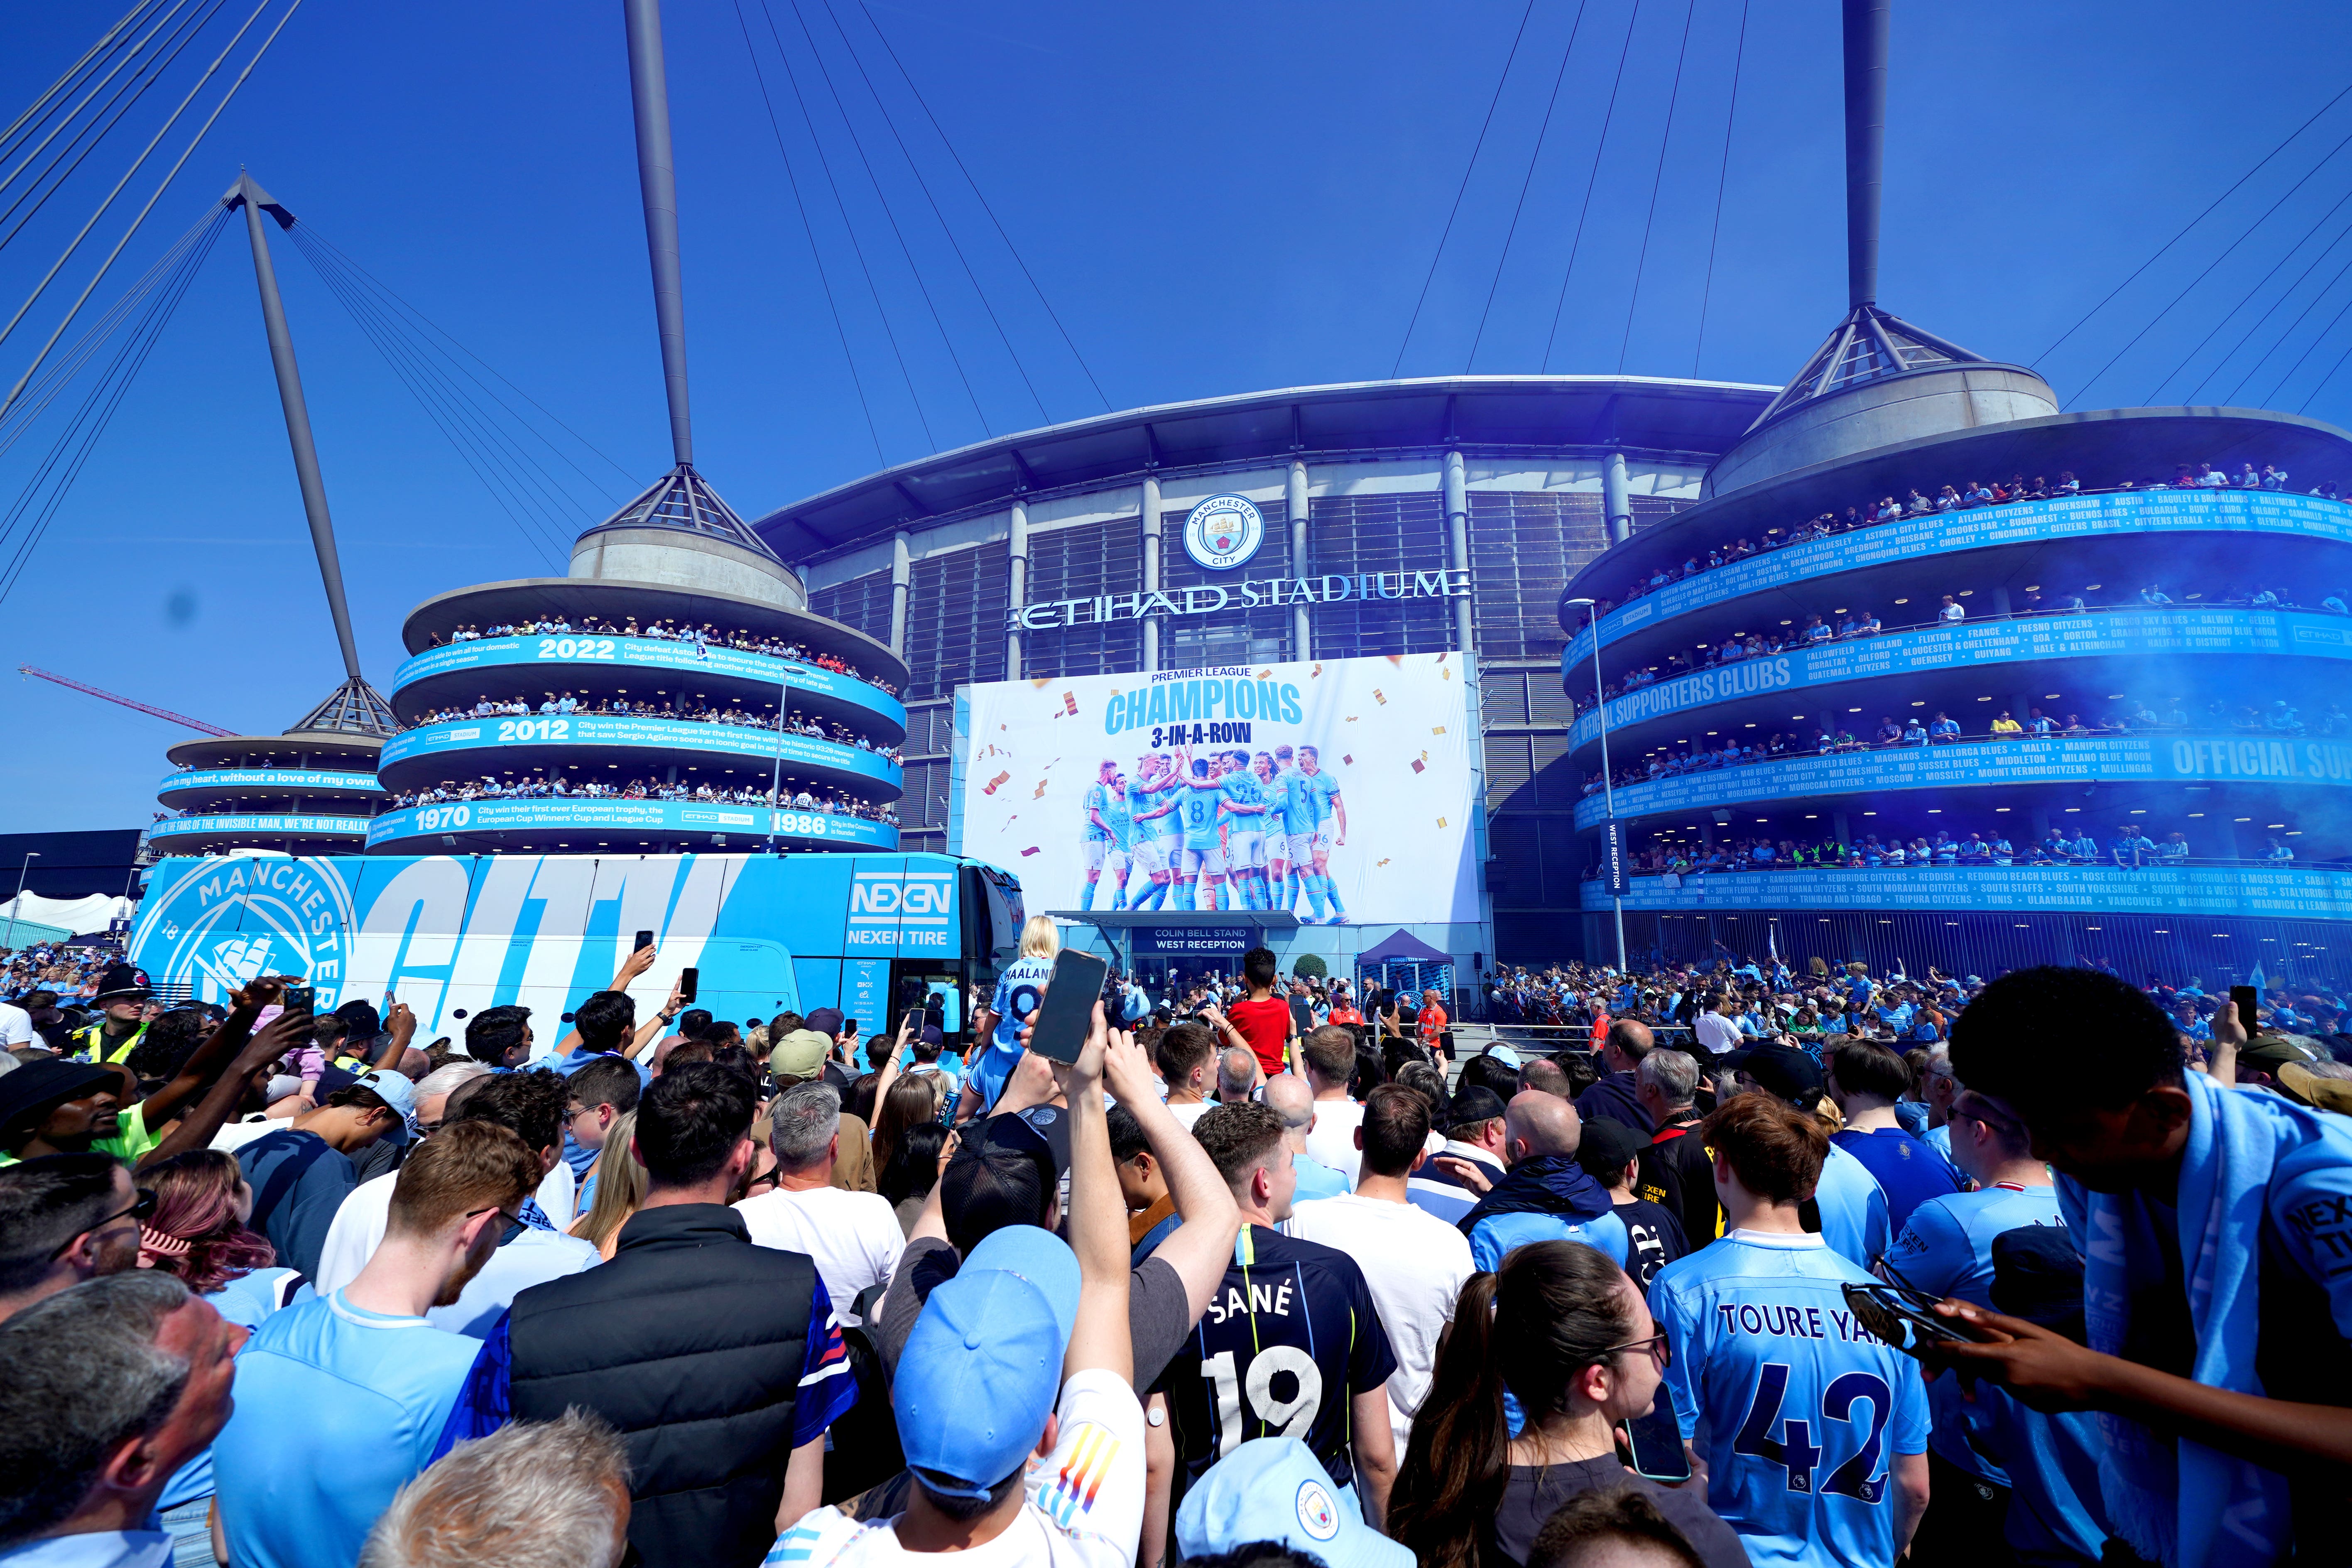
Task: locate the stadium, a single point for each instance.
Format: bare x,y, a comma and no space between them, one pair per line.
1464,504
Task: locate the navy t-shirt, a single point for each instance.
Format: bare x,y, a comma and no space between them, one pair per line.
299,1182
1289,1338
1908,1172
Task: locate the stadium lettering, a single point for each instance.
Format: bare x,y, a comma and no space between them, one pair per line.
1451,583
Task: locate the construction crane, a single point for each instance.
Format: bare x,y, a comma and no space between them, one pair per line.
197,724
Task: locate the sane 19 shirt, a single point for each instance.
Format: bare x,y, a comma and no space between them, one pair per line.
1804,1411
1290,1336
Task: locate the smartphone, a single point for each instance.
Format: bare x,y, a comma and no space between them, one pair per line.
1899,1316
644,941
2246,999
1066,1014
301,999
688,980
1654,1439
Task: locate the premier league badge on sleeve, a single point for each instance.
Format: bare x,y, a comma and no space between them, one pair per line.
1224,532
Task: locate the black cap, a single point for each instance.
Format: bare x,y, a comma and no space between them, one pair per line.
1783,1070
1607,1148
1474,1104
122,981
824,1021
360,1017
35,1090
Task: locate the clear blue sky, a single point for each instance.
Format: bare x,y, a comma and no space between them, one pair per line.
1216,198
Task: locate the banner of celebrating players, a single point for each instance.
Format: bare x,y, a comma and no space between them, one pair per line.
1340,790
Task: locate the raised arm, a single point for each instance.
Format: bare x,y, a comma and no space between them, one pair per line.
650,1031
196,1129
637,963
1199,1248
222,1045
1097,1219
399,1027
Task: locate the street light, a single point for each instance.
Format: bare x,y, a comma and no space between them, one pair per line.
1608,795
18,902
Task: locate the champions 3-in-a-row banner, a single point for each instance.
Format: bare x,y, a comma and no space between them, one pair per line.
1342,790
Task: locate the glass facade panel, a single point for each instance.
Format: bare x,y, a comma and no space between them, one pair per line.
1234,636
1083,562
861,603
1524,547
1356,534
955,619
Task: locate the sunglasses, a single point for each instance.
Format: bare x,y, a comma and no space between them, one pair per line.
1659,1347
140,1208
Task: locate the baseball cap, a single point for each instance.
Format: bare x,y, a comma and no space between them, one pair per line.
1475,1103
982,1367
1274,1489
824,1021
35,1089
1607,1146
1783,1070
2273,1052
2321,1093
386,1085
1502,1054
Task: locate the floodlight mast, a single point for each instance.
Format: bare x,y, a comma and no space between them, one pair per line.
657,184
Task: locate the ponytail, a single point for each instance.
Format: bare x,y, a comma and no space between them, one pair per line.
1458,1458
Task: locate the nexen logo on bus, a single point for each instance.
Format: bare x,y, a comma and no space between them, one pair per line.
902,908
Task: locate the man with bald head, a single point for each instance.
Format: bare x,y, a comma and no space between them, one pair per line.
1615,1097
1291,1098
1546,1196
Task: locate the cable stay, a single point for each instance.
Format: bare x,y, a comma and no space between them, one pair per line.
1666,139
1591,179
2247,298
1534,157
1722,173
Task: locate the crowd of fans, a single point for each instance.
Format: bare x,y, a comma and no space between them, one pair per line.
667,629
1916,503
2131,847
555,786
794,722
2278,720
1810,1284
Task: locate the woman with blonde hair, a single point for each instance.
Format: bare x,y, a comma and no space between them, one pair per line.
996,1032
620,1188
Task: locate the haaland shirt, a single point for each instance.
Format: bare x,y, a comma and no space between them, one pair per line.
1018,989
1803,1411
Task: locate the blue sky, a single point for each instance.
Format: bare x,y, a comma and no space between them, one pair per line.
1215,198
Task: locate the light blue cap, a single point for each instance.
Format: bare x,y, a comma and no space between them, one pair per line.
1274,1489
1505,1055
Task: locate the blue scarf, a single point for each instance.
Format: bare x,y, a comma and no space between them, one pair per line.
2175,1500
1548,1184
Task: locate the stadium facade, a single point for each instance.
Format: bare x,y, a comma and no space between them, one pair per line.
1425,516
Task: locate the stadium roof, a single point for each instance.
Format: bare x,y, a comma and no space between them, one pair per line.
1485,415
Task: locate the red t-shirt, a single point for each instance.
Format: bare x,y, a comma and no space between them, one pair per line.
1265,1025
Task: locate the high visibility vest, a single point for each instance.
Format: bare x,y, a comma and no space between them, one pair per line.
90,1037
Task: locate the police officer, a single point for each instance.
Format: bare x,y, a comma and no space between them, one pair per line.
123,993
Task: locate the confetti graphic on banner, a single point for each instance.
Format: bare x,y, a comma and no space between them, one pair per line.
1069,702
1382,862
1350,761
1033,849
1041,683
1436,729
1315,672
1380,697
1041,791
1441,822
1418,765
991,787
1397,659
1265,674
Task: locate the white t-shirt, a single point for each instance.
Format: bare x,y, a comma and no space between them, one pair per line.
1186,1115
236,1135
1084,1508
358,1227
1333,1140
1415,1265
1718,1033
855,1238
16,1027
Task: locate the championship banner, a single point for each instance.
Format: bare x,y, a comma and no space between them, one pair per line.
1341,790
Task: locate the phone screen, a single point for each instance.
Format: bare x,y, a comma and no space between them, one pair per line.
2246,999
1066,1014
1656,1441
689,980
644,941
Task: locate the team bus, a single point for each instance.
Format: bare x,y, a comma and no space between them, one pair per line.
452,935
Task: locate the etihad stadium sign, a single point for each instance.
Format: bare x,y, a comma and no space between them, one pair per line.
1209,599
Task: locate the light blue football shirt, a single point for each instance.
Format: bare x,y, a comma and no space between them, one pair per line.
1853,1209
1098,799
1018,989
1947,1250
1499,1236
1804,1412
337,1409
1318,788
1297,804
1198,805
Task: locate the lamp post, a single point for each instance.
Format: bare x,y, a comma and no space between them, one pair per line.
1608,792
18,902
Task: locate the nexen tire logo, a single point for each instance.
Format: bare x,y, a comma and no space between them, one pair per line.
902,908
